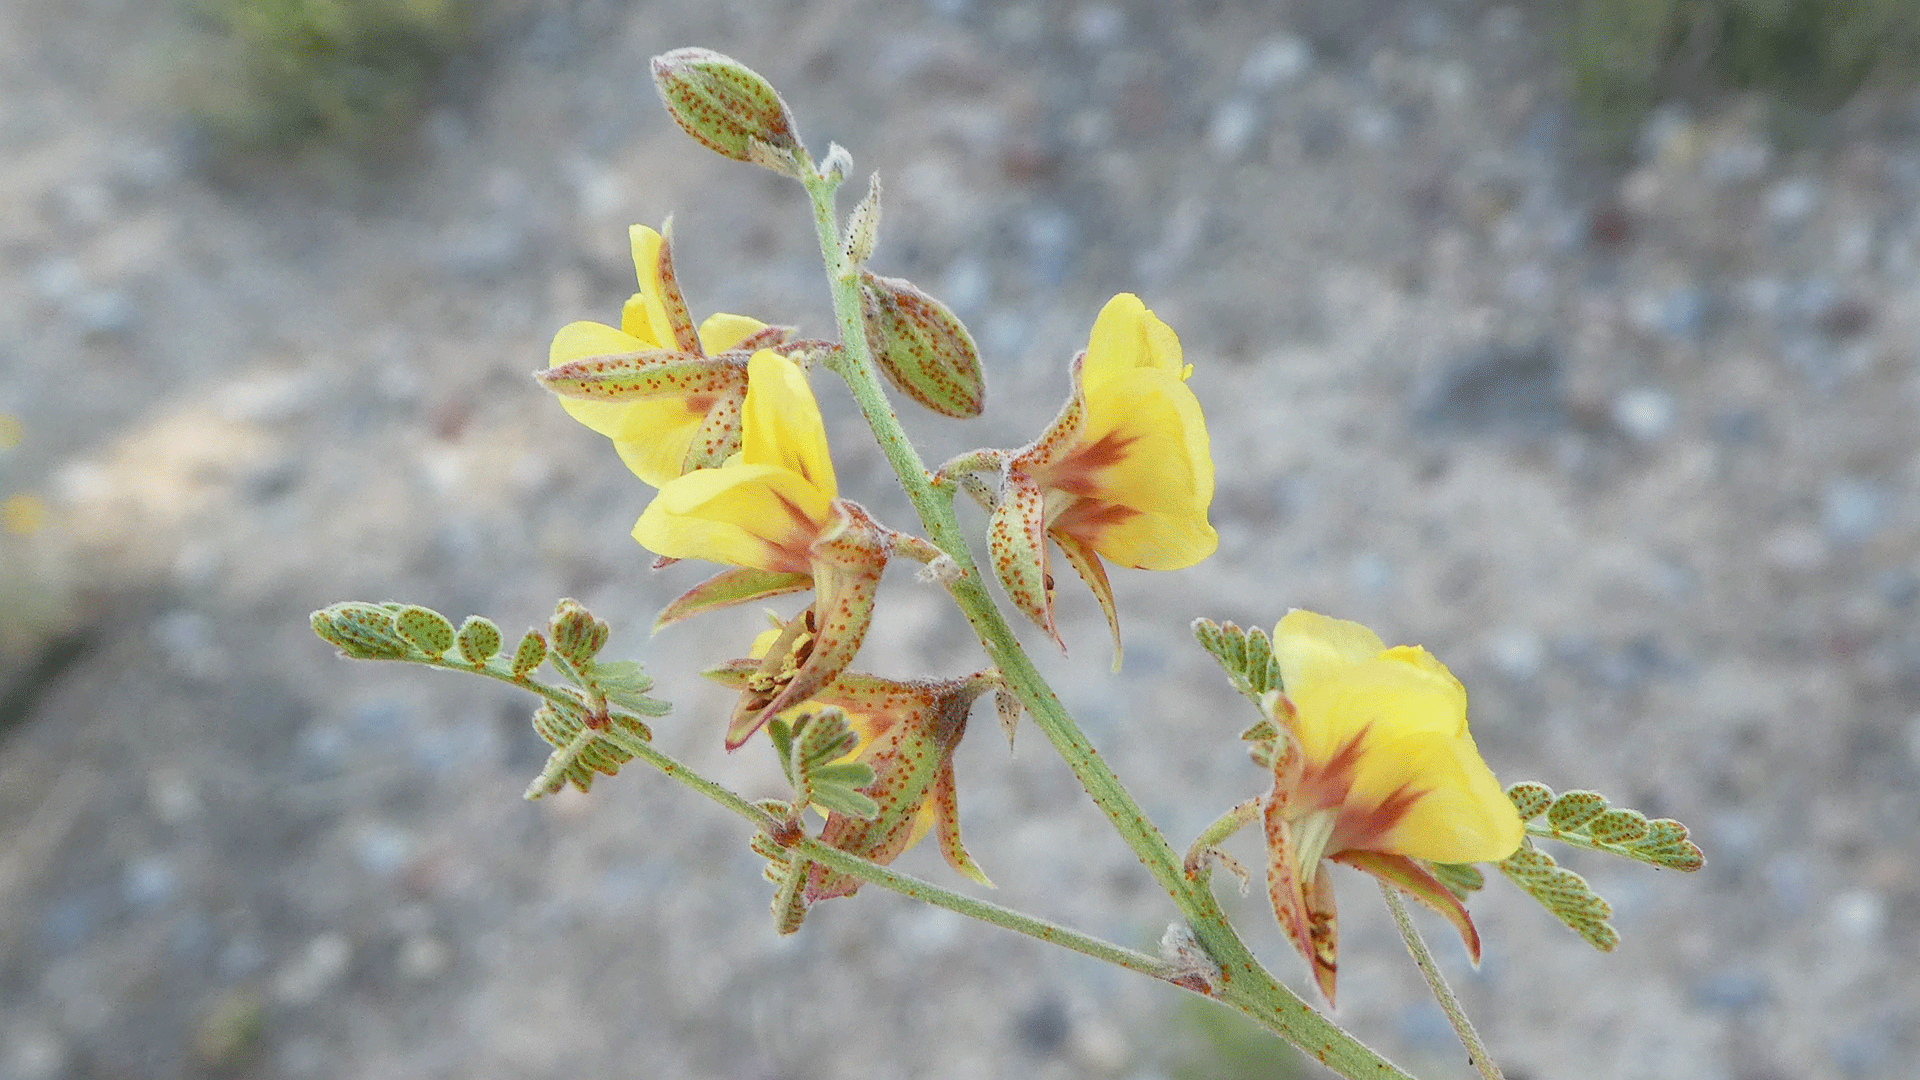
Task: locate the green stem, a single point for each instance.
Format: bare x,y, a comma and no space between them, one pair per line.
1243,982
811,849
1457,1016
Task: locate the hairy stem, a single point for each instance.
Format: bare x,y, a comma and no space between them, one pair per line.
1457,1016
811,849
1243,982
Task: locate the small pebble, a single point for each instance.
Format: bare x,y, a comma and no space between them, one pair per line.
1731,990
1796,548
1851,510
148,881
1370,573
1858,914
381,850
1791,200
1645,413
1276,62
322,964
33,1051
1100,26
1518,653
423,957
1232,127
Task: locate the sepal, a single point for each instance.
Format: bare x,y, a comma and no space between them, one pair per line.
1416,881
739,585
1017,547
817,645
646,374
1087,564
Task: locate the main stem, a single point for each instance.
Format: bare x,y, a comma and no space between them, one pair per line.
1242,982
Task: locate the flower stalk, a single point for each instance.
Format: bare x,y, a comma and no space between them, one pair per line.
1244,982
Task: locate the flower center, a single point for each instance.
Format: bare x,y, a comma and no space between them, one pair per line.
1311,835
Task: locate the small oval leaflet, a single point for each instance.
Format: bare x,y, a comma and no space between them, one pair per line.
362,631
479,640
1619,826
1530,798
428,630
529,654
1576,808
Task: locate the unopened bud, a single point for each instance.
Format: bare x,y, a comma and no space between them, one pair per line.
575,633
922,347
727,107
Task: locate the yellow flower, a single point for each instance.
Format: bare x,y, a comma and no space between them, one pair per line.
1123,473
773,511
1376,769
668,395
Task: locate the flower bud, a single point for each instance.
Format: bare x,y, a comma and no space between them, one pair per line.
727,107
575,633
922,347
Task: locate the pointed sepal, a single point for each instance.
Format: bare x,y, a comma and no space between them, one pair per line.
646,374
1416,881
817,646
1087,564
1017,548
740,585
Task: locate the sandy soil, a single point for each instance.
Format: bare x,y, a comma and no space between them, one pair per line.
1630,445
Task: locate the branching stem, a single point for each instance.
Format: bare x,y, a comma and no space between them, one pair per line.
1244,983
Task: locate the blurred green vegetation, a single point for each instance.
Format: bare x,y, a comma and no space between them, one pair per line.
273,76
1212,1043
1806,56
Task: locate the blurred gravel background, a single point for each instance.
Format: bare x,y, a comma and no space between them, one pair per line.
1631,444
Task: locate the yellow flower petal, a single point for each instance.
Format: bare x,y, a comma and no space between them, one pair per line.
721,332
1149,506
780,423
1126,336
743,514
1313,648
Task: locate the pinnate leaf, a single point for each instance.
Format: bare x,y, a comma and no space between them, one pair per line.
1563,893
1583,819
1245,655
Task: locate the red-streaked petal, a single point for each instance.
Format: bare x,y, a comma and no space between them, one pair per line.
1087,564
1418,882
743,515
